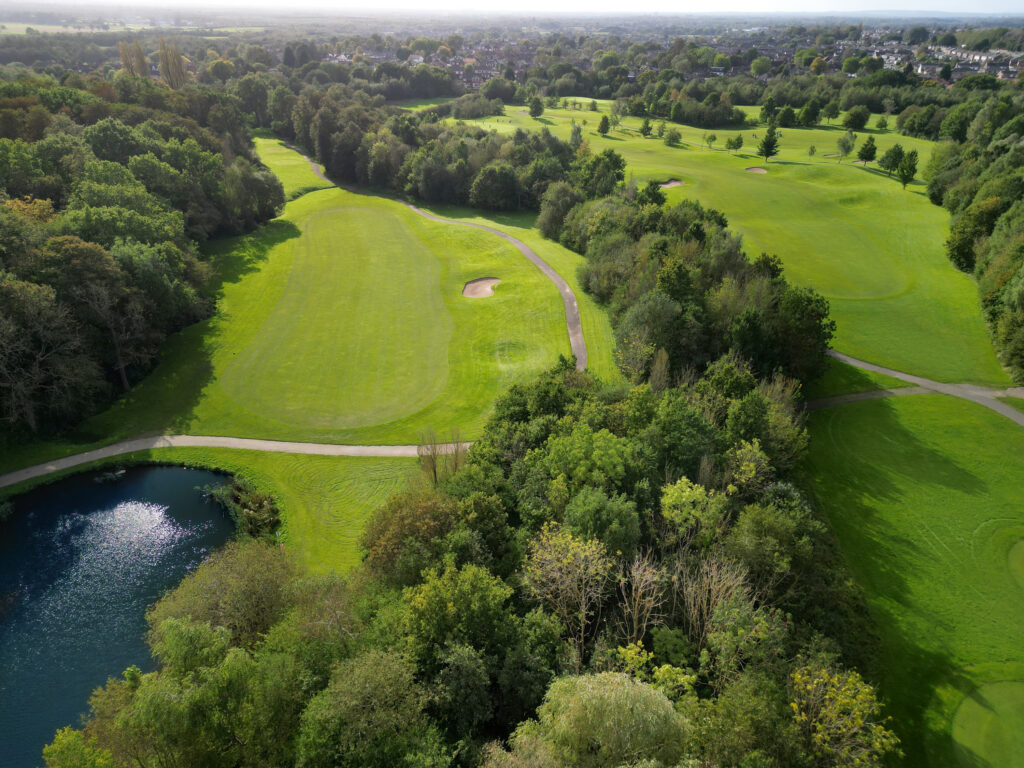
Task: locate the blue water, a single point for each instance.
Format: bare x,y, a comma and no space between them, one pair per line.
80,561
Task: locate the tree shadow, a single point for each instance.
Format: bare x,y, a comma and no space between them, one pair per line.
867,457
544,120
165,400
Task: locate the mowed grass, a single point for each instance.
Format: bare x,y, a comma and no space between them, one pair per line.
843,379
324,500
923,494
289,166
347,324
872,248
597,329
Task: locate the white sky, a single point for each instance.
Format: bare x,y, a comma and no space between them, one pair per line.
364,8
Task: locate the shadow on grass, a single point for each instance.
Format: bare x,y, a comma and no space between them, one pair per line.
166,399
861,457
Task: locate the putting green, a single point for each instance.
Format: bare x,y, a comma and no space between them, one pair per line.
872,248
923,494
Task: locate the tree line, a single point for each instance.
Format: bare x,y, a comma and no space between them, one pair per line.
979,180
107,188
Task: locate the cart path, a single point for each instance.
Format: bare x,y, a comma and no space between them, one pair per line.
983,396
572,310
212,441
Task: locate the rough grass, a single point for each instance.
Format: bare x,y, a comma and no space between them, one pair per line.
874,249
923,494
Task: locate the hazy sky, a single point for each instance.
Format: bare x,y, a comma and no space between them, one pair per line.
517,7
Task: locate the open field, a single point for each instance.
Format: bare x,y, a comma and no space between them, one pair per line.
923,493
418,105
874,249
289,166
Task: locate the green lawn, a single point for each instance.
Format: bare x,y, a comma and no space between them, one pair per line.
874,249
842,379
597,329
324,500
924,495
418,105
289,166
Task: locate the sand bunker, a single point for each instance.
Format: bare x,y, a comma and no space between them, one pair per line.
834,154
672,183
755,169
480,288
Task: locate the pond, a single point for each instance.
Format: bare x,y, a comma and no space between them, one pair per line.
80,561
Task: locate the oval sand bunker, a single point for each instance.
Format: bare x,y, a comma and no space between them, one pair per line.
755,169
672,183
480,288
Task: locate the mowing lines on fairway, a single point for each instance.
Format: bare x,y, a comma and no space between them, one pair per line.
922,493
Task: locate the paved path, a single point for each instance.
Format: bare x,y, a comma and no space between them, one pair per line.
572,310
208,441
984,396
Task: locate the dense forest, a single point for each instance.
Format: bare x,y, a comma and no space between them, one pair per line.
108,188
979,178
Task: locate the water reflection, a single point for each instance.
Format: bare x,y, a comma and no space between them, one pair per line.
79,564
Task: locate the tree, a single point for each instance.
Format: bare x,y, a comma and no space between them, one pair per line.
371,715
645,127
867,151
45,373
811,150
559,198
946,73
839,717
856,118
883,123
466,606
650,194
570,577
70,749
907,168
605,720
536,107
890,161
710,139
819,65
850,65
845,144
496,188
734,143
760,66
768,110
786,118
673,137
641,597
604,126
172,65
769,144
831,111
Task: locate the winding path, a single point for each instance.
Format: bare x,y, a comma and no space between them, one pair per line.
984,396
212,441
572,310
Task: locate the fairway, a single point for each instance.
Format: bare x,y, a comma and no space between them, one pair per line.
923,494
348,325
289,166
873,249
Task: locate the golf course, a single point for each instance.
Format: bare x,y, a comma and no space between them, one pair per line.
873,249
344,322
352,320
918,489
